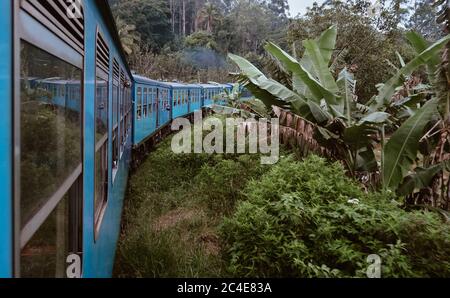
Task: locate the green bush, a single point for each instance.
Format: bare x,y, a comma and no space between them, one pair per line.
307,219
220,184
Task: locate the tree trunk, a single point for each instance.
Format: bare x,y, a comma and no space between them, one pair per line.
184,17
172,14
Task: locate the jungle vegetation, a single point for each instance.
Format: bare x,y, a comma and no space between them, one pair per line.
362,94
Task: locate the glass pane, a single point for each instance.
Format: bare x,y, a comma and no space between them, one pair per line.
45,254
50,126
115,103
101,113
101,177
139,102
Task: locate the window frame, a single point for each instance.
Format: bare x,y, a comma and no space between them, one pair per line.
139,102
115,139
103,142
37,32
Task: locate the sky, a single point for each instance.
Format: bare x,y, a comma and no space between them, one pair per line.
299,6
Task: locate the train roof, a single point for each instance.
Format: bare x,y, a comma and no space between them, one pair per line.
183,85
208,86
108,17
173,85
145,80
179,85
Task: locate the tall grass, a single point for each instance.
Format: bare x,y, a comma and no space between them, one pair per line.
173,208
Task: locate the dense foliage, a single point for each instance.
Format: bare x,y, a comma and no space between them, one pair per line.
348,78
174,204
305,219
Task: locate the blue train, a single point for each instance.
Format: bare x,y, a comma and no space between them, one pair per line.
74,118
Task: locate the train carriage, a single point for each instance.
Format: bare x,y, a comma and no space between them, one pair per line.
195,98
72,115
180,99
221,98
152,107
66,146
185,99
209,92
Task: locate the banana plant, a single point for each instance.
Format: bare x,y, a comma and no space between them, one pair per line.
319,98
348,128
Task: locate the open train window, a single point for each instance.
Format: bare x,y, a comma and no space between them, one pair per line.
101,130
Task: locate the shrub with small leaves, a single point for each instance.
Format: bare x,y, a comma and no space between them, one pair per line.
307,219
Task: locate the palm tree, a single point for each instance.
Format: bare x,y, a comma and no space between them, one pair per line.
209,15
128,36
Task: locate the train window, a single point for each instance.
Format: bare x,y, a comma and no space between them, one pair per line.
45,254
50,159
144,103
101,112
101,147
115,97
115,102
101,129
155,103
174,100
121,110
49,129
150,100
139,102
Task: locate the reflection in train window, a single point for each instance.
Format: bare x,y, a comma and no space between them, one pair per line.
45,254
101,147
101,112
144,103
139,102
50,128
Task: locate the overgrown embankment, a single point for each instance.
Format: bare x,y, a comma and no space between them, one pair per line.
174,205
200,215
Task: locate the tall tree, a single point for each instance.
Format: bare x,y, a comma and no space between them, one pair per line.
209,15
128,36
151,18
423,19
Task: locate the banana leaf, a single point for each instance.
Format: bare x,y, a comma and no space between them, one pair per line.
278,91
388,89
420,179
346,83
401,150
376,117
323,72
317,90
420,44
327,44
